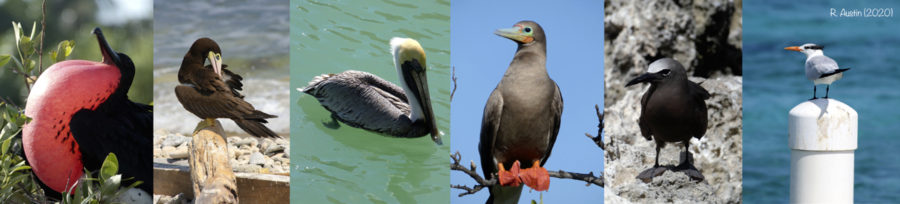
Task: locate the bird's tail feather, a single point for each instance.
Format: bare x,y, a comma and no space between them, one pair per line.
259,115
315,81
255,128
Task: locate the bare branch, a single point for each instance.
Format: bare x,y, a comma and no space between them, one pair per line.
41,46
598,140
453,77
483,183
588,177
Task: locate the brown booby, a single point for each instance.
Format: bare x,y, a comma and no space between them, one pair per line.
521,118
672,110
363,100
820,69
213,91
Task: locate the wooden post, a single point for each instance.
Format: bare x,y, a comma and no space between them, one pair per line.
211,174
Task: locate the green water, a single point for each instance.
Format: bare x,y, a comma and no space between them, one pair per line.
349,165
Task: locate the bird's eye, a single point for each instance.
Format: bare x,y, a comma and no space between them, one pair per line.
218,57
527,29
665,72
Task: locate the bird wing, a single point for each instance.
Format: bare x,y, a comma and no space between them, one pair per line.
490,124
217,104
822,64
556,108
232,80
125,131
699,96
207,81
642,122
363,100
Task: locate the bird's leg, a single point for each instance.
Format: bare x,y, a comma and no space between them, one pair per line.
814,93
207,122
826,90
333,124
210,122
687,166
686,161
536,177
655,165
508,178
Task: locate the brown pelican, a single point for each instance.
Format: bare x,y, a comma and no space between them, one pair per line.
363,100
672,110
211,91
820,69
521,118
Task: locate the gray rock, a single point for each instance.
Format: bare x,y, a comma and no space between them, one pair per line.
247,168
177,199
245,141
257,158
175,140
274,148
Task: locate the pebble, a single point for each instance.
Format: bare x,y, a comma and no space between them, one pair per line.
249,155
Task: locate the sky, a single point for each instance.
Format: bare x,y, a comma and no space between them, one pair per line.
574,60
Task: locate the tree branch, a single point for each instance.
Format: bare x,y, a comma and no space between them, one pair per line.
41,46
598,140
453,77
483,183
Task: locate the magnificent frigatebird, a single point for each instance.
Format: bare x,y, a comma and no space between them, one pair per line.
820,69
212,91
363,100
672,110
80,112
521,118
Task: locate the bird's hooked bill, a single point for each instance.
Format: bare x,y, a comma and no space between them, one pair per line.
110,56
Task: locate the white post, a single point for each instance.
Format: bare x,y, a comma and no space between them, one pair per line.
822,140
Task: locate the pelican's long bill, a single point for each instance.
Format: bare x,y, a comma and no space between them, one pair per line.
409,59
110,56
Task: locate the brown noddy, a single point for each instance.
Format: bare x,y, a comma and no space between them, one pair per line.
521,118
672,110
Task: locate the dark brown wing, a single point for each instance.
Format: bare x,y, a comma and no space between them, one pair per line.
233,81
645,127
557,108
699,96
490,124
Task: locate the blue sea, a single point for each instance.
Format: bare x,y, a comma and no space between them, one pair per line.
775,83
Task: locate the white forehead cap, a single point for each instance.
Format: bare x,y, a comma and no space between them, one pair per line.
657,66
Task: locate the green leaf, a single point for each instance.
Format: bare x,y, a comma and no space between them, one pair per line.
26,46
4,147
110,167
33,27
53,55
17,28
69,45
4,59
63,50
30,66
